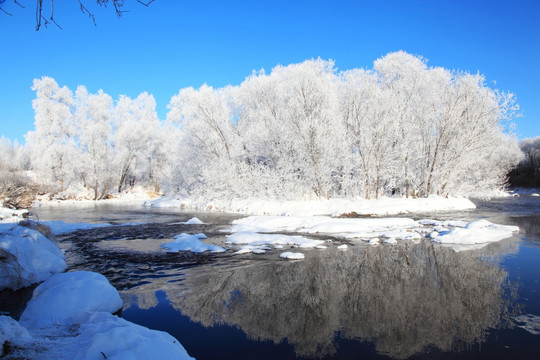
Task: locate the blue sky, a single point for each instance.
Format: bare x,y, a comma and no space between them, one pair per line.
176,44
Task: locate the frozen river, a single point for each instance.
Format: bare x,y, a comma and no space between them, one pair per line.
411,300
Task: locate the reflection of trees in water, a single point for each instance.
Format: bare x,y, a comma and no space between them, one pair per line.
402,297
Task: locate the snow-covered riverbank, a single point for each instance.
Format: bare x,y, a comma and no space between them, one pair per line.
70,314
332,207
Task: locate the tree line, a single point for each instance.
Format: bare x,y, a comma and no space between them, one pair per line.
301,131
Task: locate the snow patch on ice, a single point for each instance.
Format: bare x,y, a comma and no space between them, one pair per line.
59,227
188,242
291,255
476,232
256,239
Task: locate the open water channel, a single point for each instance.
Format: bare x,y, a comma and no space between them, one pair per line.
410,300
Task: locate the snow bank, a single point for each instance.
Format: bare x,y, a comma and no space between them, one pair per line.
187,242
26,257
291,255
69,298
476,232
382,206
11,215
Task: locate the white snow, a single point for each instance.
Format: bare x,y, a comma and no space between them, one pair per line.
319,224
343,247
12,331
382,206
69,317
476,232
291,255
69,298
255,239
10,215
105,336
193,221
188,242
27,257
60,227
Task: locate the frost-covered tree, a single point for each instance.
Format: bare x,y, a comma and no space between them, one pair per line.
52,143
136,124
93,118
209,139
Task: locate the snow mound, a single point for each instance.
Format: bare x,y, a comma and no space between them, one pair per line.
291,255
26,257
187,242
255,239
69,298
193,221
105,336
476,232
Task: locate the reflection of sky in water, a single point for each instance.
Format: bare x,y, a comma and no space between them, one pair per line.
409,299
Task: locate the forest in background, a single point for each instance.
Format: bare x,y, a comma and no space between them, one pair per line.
301,131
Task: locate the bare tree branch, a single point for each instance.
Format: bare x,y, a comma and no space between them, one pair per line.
41,20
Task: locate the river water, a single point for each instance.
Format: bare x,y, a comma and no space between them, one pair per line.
410,300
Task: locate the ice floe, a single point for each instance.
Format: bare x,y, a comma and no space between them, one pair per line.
188,242
475,232
291,255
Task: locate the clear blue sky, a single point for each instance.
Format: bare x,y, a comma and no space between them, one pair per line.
176,44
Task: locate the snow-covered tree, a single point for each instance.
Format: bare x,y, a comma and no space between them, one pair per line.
52,143
136,124
93,117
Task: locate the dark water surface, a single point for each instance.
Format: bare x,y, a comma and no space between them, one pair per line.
410,300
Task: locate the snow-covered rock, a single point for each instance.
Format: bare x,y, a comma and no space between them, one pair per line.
476,232
188,242
69,298
27,257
